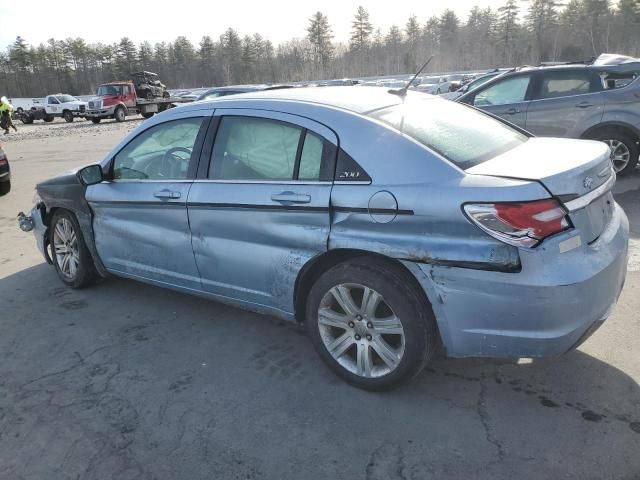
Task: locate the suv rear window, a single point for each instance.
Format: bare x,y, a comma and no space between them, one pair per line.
461,134
564,83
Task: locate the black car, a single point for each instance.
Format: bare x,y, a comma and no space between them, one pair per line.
5,173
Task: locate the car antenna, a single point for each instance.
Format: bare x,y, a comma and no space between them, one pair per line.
402,92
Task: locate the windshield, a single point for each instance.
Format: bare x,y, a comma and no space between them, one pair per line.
66,98
109,90
461,134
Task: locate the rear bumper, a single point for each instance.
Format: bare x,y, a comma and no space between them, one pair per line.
547,309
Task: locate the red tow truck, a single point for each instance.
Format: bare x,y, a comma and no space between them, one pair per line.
119,99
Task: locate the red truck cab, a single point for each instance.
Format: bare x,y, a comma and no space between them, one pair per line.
113,100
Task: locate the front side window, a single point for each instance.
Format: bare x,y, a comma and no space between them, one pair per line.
67,99
53,101
162,152
510,90
460,134
251,148
565,83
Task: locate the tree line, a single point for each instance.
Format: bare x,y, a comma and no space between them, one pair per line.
517,33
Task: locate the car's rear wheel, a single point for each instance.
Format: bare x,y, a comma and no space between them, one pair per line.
71,258
624,151
95,119
370,324
49,118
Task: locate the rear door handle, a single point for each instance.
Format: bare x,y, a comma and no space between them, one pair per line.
512,111
584,105
164,194
291,197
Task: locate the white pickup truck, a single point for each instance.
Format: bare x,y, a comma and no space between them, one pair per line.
52,106
65,106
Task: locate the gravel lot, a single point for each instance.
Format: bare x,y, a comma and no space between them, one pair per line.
127,381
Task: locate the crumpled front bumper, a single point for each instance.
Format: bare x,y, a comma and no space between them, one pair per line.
34,223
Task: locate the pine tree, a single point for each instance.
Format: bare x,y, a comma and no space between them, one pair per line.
319,36
361,30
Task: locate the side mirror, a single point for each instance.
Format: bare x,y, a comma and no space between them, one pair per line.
90,175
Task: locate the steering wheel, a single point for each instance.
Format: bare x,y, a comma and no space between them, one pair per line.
169,166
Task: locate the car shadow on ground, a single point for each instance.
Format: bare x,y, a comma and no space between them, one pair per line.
124,380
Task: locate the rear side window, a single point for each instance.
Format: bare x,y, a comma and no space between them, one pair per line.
509,90
462,135
566,83
251,148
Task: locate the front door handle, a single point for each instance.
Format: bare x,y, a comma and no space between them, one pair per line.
165,194
291,197
512,111
584,105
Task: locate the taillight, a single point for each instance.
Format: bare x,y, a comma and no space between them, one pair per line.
523,224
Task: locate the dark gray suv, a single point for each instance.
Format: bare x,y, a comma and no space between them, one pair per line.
598,100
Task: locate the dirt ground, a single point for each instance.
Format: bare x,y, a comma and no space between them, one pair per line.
127,381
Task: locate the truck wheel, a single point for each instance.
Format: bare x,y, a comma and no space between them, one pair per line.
119,115
5,187
166,94
95,119
49,118
26,119
148,114
68,116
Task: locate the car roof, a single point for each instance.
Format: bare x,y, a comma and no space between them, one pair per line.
358,100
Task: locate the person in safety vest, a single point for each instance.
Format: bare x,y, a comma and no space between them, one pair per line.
6,111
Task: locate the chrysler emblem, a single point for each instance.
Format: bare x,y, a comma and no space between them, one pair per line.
588,183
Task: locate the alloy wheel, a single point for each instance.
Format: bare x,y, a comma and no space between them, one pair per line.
620,154
360,330
65,248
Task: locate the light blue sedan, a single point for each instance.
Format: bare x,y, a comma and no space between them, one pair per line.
389,222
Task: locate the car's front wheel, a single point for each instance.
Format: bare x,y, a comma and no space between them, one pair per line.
370,324
71,258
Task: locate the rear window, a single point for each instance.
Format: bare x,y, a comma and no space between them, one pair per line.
459,133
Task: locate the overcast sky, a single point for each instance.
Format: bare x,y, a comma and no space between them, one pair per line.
277,20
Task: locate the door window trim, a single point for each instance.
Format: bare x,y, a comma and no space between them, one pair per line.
193,163
296,121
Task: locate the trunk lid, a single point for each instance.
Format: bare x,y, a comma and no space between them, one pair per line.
578,172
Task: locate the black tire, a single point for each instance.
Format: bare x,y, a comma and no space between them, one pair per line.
405,300
86,271
165,94
49,118
148,114
26,119
5,187
119,114
19,110
629,142
68,116
96,119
